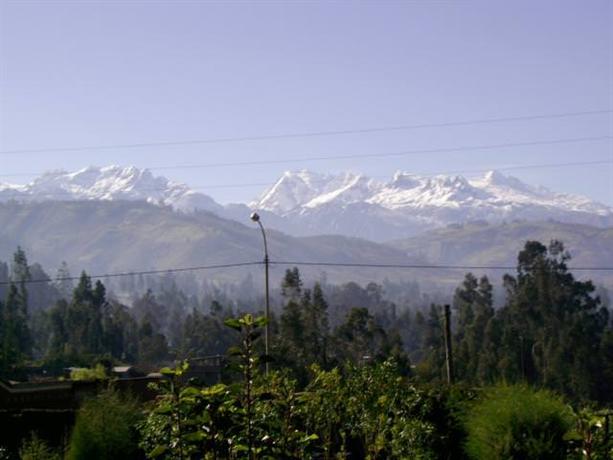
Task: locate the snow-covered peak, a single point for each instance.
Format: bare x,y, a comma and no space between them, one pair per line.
493,196
347,189
407,190
497,180
291,190
296,189
307,203
108,183
404,180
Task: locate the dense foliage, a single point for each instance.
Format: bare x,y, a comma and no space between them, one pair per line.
517,422
367,411
353,374
105,429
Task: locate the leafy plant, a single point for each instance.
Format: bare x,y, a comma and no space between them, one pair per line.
515,421
97,373
592,436
259,417
104,428
35,448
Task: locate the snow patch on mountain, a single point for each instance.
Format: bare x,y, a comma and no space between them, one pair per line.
358,206
109,183
295,192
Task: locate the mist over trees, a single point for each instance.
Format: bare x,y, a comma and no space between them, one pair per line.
551,330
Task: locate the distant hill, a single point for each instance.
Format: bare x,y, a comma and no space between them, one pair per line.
112,236
480,243
118,236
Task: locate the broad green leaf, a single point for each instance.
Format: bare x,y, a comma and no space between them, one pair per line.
159,450
233,323
190,391
260,321
197,436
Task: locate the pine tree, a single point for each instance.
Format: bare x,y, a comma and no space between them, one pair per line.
464,303
291,287
15,347
63,281
152,345
360,338
433,364
320,328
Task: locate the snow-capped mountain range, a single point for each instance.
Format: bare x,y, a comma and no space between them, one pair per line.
109,183
307,203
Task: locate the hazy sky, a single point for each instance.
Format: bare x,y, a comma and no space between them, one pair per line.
121,72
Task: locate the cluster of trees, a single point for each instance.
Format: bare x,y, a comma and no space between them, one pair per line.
60,323
352,374
302,335
552,331
55,323
15,338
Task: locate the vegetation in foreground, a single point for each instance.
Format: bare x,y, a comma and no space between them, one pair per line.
345,389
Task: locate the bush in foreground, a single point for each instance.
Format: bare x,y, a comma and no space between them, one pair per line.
35,448
105,429
518,422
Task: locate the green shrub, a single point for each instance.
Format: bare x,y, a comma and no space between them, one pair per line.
592,436
104,429
517,422
96,373
35,448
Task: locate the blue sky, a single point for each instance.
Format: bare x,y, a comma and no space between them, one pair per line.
77,73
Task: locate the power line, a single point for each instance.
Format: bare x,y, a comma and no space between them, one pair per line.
390,154
307,134
135,273
422,266
367,155
269,184
298,264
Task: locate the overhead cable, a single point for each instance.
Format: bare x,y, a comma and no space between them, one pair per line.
366,155
307,134
296,263
135,273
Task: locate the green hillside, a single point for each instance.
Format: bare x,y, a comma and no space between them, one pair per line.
485,244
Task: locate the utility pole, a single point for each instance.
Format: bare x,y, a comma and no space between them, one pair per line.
267,326
448,354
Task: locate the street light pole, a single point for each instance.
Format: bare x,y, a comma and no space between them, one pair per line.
256,218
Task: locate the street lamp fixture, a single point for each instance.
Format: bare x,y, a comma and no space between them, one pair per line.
256,218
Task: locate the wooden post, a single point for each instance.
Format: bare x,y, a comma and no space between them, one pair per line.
448,354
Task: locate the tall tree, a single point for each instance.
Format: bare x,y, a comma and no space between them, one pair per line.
433,363
473,306
316,327
552,324
360,338
291,287
16,341
63,281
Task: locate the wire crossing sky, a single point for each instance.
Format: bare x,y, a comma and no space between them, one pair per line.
293,263
270,86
